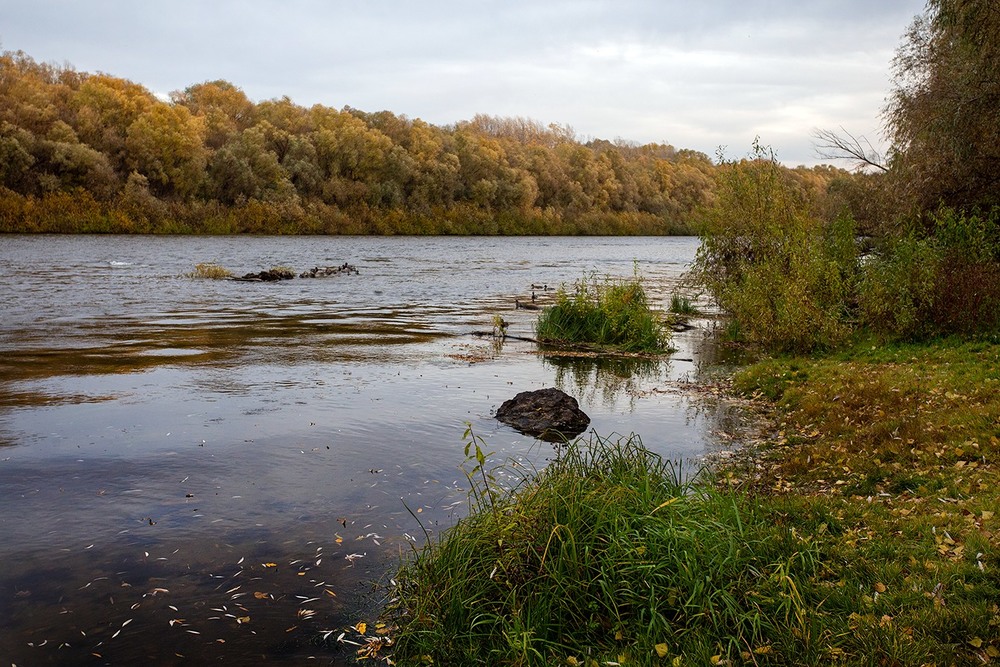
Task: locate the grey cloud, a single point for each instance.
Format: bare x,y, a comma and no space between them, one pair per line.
695,74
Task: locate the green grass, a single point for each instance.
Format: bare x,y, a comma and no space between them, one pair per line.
681,305
604,314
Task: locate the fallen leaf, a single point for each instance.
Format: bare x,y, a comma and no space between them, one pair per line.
361,627
661,650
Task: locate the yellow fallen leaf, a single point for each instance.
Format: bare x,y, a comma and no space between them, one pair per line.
270,564
987,515
992,651
661,650
572,661
880,587
715,659
618,635
677,662
362,627
243,619
976,642
260,595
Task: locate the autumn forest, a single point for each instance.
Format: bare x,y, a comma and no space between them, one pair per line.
94,153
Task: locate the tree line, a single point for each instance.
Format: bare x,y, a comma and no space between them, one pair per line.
83,152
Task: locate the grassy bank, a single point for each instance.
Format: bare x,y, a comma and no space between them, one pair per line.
863,533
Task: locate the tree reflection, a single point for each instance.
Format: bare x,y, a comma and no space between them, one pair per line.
604,378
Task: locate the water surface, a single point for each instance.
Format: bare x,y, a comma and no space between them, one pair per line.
204,470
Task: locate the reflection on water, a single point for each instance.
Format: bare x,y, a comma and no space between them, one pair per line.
606,380
199,470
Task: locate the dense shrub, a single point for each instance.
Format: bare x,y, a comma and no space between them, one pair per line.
782,274
939,280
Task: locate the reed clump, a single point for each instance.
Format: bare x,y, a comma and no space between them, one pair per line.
210,271
608,313
682,305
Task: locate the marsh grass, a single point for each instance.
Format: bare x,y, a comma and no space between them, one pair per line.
606,313
210,271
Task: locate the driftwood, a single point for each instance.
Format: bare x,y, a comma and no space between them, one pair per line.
491,334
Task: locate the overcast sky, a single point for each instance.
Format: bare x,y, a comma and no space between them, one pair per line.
694,73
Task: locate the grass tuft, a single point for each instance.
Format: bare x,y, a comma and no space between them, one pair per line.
210,271
609,314
682,305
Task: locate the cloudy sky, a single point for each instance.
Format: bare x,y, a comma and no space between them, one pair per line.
694,73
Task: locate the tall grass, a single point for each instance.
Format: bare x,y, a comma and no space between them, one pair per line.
604,313
607,556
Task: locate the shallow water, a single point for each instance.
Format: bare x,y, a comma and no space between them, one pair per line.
209,470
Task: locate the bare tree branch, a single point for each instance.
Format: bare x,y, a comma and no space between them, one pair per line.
831,145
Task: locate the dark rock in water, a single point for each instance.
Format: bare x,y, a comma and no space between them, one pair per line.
324,271
268,276
547,414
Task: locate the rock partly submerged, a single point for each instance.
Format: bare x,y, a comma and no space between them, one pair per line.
268,276
547,414
280,273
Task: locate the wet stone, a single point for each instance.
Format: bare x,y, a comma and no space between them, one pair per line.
547,414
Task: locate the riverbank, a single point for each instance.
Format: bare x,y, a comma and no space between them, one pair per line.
862,531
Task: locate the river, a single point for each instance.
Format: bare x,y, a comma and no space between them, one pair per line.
200,470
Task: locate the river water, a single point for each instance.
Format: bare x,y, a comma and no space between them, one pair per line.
198,470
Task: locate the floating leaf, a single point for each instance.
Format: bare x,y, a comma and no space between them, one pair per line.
243,619
269,564
261,595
